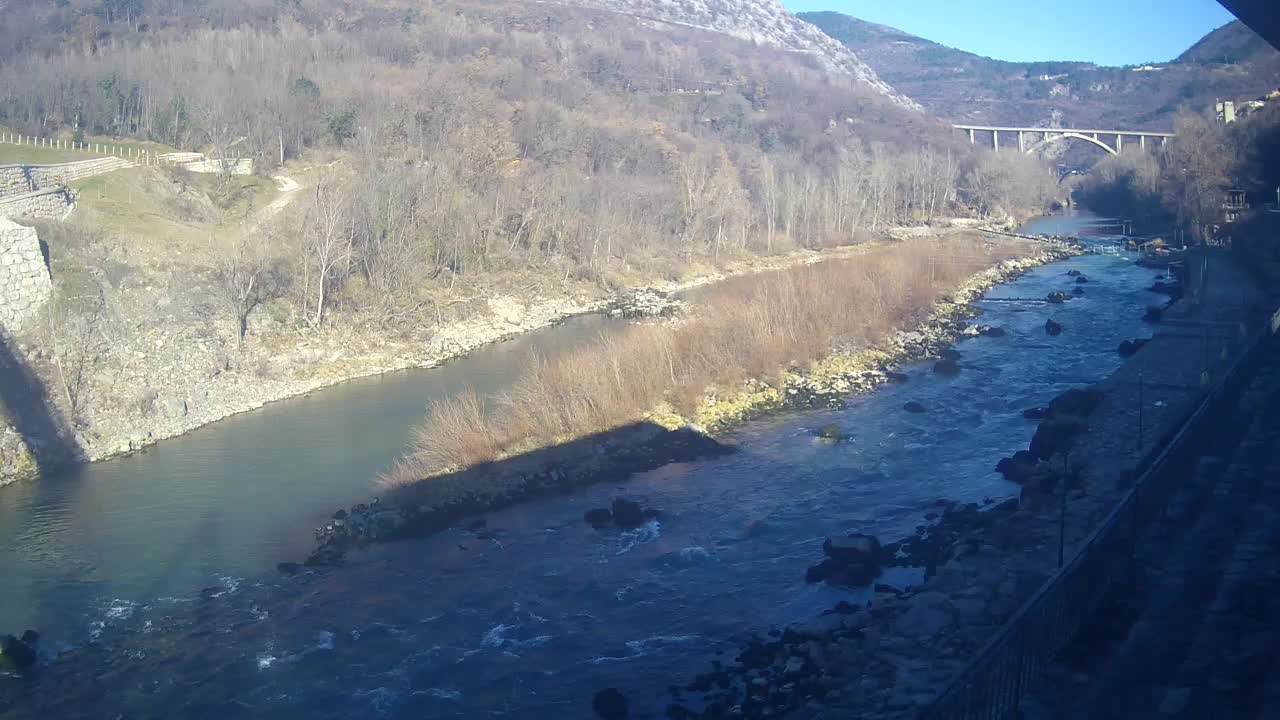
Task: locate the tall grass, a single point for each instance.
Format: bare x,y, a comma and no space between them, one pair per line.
747,327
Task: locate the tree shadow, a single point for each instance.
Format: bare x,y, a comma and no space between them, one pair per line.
23,398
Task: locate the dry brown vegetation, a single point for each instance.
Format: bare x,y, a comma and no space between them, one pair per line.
753,327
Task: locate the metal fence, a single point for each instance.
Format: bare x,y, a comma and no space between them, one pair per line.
992,683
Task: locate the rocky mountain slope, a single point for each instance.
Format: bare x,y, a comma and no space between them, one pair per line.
762,21
1230,62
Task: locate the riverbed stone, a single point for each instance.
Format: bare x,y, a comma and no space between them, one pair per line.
1052,327
627,513
610,704
16,654
598,517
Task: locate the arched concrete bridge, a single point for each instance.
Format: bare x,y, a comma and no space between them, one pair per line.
1031,139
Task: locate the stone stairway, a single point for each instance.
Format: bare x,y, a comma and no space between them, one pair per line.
1197,633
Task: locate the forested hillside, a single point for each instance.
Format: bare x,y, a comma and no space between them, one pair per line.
453,157
1231,62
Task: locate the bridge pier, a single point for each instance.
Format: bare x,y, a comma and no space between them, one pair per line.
1119,143
1142,141
995,139
1021,145
970,136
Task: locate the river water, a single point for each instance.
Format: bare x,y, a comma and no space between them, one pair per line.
529,616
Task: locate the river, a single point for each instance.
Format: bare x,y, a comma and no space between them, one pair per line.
530,615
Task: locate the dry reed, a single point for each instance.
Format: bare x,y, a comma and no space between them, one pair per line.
756,326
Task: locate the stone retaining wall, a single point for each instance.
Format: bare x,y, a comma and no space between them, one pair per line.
25,285
22,179
51,204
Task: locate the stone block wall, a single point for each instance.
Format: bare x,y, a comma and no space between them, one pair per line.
14,180
25,285
52,204
22,179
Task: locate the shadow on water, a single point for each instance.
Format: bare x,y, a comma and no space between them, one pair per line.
27,405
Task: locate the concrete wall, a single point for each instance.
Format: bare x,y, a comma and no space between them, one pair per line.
53,204
25,285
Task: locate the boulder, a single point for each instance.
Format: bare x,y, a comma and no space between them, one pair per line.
990,331
627,513
856,547
16,654
1052,328
950,354
898,377
1057,297
1075,401
610,704
1055,436
1036,413
1077,291
598,517
831,432
947,367
1129,348
1075,273
1081,279
913,407
854,560
1019,468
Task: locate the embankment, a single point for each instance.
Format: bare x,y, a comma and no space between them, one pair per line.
417,507
893,657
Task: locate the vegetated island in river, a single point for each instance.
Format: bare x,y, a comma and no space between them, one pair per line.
658,393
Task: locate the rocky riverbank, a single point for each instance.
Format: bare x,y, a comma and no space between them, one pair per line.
176,378
427,506
891,657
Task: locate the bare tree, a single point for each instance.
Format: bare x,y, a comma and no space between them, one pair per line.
326,236
244,282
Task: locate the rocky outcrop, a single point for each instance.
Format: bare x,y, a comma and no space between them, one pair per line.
854,560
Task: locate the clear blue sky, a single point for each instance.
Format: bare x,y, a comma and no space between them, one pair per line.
1107,32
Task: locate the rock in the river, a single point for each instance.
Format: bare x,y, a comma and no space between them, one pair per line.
898,377
627,513
1052,328
831,432
1128,348
1077,291
991,331
1036,413
610,704
912,406
1057,297
1153,314
1075,273
854,560
16,654
947,367
1081,279
598,517
950,354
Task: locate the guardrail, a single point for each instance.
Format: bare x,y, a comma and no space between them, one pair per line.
992,683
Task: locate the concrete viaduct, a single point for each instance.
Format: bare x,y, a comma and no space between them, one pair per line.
1031,139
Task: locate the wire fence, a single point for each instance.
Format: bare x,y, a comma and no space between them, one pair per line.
991,685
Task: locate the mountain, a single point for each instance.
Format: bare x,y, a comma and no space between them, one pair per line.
765,22
1231,62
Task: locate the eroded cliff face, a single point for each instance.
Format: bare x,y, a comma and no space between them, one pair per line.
762,21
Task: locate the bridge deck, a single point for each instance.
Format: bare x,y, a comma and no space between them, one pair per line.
994,128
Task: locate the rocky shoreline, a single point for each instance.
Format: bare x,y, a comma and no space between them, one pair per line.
429,506
892,657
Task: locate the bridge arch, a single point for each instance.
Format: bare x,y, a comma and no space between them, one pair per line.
1074,135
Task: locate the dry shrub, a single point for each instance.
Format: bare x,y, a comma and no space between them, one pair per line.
752,326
